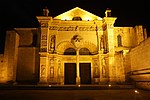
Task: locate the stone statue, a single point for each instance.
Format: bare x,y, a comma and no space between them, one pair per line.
43,70
96,69
51,72
52,43
103,68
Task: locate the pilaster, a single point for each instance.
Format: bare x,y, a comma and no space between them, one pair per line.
44,31
43,68
109,32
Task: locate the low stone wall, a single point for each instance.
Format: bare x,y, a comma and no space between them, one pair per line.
143,85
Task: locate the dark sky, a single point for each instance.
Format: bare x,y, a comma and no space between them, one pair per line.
22,13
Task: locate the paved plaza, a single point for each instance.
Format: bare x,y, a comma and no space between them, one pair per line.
71,93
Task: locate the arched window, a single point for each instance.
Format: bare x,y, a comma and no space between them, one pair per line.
70,51
119,39
84,51
77,18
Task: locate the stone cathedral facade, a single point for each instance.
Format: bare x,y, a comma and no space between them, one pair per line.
76,47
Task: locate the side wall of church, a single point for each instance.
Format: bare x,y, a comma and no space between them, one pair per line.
119,64
28,55
28,37
1,66
140,64
28,64
130,36
126,38
10,56
140,56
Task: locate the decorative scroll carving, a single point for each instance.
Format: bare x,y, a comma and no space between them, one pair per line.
44,24
76,39
44,43
75,28
70,28
43,49
53,28
44,37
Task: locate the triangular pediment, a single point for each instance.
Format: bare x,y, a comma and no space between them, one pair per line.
77,12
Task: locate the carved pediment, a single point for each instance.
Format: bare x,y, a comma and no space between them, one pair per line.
77,13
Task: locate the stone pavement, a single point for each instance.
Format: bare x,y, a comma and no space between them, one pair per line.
119,94
72,92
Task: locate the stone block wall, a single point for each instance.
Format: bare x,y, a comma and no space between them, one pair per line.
28,64
140,56
1,67
10,56
130,36
140,64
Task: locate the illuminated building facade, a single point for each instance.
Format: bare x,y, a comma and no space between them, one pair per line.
76,47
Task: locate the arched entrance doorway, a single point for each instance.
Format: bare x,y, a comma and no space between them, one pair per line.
77,62
70,68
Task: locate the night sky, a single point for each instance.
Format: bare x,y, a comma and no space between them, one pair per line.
22,13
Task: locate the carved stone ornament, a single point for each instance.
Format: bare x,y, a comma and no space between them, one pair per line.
76,40
44,24
96,69
75,28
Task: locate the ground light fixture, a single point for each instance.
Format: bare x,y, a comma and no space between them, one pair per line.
136,91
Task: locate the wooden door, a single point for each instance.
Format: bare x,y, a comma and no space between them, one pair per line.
85,73
70,73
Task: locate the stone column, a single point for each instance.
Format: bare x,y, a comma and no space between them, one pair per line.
77,68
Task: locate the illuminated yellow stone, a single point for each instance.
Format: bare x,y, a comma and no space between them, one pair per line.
95,50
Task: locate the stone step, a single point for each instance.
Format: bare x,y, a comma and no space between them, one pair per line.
69,87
